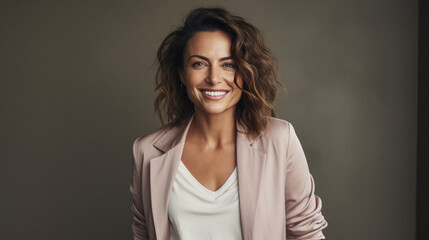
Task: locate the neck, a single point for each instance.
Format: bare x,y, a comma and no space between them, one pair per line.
213,130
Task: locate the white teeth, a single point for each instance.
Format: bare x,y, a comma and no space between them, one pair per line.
215,93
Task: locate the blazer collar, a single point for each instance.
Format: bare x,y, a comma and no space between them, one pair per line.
177,134
172,136
250,168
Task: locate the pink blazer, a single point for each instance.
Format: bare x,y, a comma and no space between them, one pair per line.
276,190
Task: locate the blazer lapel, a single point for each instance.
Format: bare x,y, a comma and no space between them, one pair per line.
162,174
250,168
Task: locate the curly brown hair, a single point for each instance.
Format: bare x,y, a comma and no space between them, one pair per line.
255,64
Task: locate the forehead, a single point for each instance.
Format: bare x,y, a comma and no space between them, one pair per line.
209,44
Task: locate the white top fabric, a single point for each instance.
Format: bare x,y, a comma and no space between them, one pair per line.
197,213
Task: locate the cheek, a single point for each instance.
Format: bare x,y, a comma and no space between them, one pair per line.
193,78
237,89
239,84
192,91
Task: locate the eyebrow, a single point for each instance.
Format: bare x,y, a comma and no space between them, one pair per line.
206,59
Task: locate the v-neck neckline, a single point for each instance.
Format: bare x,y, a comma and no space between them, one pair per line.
213,194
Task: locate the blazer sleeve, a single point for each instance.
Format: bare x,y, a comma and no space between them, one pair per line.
304,219
139,223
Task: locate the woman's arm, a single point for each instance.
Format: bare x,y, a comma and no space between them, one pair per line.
304,219
139,222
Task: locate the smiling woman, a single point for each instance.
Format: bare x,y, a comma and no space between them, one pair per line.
209,73
222,167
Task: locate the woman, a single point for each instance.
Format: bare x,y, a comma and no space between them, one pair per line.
222,167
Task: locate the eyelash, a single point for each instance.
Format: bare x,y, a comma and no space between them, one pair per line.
232,65
200,64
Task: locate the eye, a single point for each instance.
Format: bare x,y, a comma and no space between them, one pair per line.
198,64
229,65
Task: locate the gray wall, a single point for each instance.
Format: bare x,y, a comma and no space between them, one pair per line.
76,82
423,124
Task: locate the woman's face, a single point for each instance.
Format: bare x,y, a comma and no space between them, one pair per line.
208,73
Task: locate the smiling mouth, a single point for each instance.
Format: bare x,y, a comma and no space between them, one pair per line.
214,93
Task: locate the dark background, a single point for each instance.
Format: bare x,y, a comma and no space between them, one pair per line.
423,124
76,80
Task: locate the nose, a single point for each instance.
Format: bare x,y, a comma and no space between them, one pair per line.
214,76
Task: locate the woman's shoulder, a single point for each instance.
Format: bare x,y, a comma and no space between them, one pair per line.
278,123
277,126
160,140
278,130
147,141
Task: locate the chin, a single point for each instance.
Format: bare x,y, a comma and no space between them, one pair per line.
214,110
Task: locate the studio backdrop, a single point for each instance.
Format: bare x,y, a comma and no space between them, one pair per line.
76,89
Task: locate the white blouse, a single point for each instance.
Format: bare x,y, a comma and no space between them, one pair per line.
197,213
